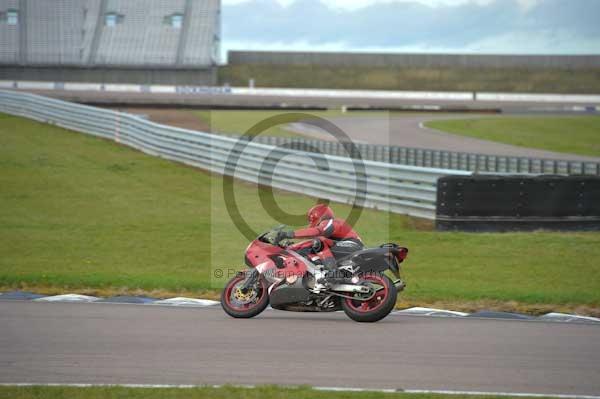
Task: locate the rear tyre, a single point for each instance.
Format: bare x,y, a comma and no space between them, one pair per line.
244,305
376,308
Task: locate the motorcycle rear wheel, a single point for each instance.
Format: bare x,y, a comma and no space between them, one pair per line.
241,309
378,307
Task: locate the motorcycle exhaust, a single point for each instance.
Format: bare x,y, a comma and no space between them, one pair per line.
399,284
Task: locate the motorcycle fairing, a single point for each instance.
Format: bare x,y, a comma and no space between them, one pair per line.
285,294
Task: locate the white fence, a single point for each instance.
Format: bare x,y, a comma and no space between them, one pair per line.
366,94
591,101
402,189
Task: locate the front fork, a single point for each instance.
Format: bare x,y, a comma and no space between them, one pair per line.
250,281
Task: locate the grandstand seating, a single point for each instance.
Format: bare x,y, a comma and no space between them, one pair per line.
204,22
9,34
135,33
54,32
140,38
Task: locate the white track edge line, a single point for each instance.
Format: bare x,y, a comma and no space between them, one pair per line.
326,389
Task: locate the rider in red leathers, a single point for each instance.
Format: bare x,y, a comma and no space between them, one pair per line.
335,236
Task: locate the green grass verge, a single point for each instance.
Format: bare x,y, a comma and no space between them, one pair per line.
78,212
521,80
571,135
227,392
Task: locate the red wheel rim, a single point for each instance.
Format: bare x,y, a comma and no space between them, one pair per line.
242,307
378,299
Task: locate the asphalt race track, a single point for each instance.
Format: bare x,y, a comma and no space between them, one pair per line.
148,344
407,131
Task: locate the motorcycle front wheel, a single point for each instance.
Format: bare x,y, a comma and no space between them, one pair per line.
378,306
244,305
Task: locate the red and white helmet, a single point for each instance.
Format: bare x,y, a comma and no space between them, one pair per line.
318,213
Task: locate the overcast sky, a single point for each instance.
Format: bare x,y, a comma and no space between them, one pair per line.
469,26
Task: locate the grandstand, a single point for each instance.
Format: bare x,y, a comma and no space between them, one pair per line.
142,41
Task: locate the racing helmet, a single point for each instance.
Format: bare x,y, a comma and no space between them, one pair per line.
318,213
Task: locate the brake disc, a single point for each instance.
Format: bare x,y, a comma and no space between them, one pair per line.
240,297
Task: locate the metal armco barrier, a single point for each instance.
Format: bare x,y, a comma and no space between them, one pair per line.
402,189
443,159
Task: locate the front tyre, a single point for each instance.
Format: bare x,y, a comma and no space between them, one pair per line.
378,306
244,305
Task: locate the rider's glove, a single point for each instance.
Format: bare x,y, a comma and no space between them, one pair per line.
284,234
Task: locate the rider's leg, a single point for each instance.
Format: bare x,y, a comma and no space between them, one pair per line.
328,268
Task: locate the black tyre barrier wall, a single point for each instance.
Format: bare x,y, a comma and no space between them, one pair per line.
518,203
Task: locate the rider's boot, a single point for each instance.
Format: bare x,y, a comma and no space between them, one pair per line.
327,269
320,273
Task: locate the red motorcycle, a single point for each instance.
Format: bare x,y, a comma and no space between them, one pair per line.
285,278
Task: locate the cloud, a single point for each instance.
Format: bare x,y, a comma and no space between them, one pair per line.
357,4
552,41
488,26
